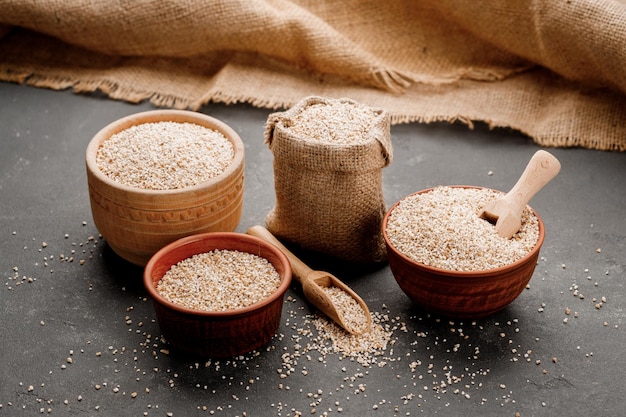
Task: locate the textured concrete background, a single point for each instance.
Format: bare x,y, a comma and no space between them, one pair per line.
78,335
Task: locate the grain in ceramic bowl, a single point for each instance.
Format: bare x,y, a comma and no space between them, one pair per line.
160,175
451,262
218,295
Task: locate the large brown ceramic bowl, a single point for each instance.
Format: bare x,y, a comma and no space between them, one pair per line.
137,222
217,334
459,294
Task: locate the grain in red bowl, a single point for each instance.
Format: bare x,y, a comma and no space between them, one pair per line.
451,262
229,296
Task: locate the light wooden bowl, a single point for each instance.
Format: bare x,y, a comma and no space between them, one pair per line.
217,334
460,294
136,222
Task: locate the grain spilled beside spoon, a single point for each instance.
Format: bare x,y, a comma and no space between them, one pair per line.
325,291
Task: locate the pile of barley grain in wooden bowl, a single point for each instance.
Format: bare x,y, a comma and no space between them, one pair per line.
160,175
218,294
450,261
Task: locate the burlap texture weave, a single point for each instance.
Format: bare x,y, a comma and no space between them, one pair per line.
329,197
555,70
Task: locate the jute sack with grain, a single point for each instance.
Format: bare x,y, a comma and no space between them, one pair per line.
328,161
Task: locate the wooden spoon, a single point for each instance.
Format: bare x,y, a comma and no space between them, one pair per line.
313,283
506,211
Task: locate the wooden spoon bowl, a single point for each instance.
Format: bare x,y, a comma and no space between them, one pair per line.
313,285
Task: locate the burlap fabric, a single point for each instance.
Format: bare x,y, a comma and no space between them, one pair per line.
329,196
555,70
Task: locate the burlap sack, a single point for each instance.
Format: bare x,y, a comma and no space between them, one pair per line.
329,197
554,70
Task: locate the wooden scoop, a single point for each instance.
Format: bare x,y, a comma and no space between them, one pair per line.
313,283
506,211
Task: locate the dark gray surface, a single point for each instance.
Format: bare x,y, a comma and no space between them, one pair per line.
520,360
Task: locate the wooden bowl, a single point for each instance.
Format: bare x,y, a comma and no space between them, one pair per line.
460,294
137,222
217,334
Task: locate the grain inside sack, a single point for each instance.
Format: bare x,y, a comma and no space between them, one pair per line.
328,160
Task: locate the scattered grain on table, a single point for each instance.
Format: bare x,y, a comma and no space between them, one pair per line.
365,348
307,348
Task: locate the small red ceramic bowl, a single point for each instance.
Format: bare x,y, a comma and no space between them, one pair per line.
460,294
217,334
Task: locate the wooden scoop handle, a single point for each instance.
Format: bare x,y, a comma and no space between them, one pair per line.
300,271
541,169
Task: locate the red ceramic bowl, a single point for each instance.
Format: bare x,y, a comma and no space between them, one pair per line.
460,294
217,334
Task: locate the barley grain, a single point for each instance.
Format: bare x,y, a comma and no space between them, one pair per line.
333,122
164,155
364,348
441,228
219,280
349,309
